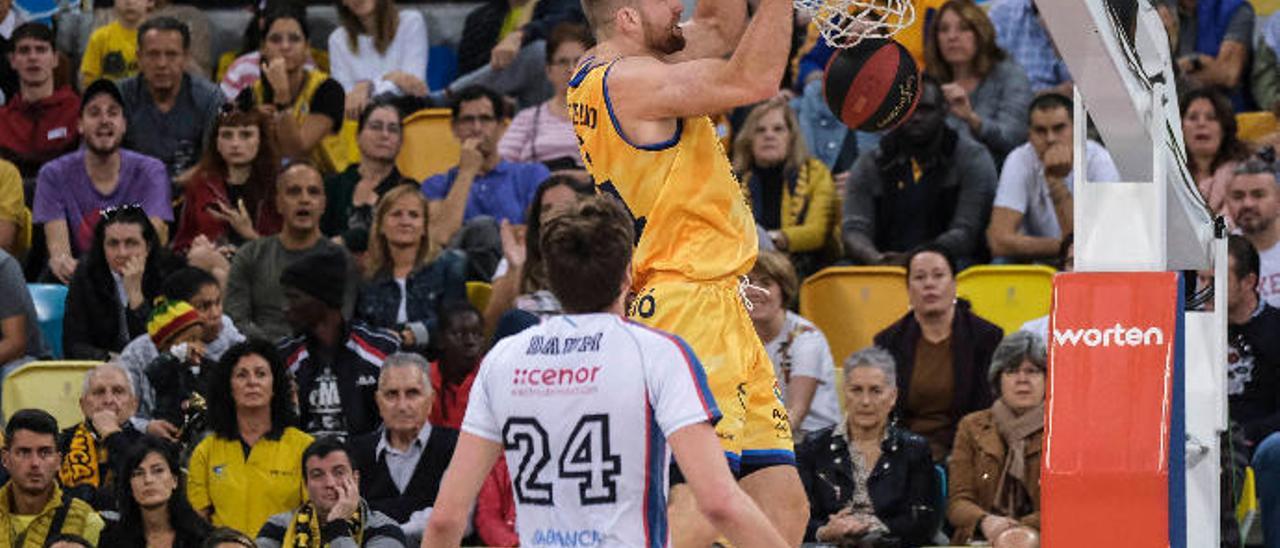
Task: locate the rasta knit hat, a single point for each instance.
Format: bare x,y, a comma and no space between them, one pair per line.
168,319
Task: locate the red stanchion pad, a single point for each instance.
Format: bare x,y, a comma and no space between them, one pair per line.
1109,410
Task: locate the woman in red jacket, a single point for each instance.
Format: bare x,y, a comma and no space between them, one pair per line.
230,198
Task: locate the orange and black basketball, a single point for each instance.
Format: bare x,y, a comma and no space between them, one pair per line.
872,86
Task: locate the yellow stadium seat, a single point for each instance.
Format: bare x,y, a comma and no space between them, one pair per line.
850,304
478,294
1247,509
429,146
1007,295
50,385
1252,126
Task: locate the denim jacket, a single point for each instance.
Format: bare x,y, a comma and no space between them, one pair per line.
442,280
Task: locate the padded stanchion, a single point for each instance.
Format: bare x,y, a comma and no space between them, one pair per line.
1114,445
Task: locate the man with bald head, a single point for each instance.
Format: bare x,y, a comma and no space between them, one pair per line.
254,298
401,464
93,449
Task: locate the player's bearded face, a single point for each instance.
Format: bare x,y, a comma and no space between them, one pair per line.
662,34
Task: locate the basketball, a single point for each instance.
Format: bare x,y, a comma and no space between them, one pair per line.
872,86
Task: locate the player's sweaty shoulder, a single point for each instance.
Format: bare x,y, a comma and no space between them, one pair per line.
632,84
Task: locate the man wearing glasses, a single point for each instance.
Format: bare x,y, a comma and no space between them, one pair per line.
482,188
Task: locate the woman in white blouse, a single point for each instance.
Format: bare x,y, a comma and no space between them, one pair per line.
378,49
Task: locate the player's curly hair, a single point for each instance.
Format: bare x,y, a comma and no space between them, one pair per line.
587,251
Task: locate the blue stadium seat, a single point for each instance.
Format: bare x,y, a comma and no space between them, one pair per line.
51,302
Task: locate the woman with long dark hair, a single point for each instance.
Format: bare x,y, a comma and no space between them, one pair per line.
231,195
1213,149
250,467
109,297
524,285
941,349
152,501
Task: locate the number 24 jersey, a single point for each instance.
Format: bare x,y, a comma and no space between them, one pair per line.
582,405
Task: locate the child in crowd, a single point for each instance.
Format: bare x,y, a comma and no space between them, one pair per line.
176,373
113,48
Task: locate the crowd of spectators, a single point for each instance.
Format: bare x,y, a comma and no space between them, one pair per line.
284,320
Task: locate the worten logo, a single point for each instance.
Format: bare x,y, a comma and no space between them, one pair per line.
1116,335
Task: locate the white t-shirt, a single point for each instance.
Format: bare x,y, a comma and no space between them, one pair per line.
1269,275
583,405
803,349
1023,187
406,53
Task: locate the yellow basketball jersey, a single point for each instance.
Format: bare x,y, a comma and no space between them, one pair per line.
692,220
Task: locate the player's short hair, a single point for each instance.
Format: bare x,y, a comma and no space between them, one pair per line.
1050,101
1242,250
777,267
600,13
587,251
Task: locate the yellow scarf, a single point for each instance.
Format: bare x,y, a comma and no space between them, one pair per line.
304,531
81,464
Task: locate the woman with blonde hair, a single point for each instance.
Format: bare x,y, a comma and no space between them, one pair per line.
404,285
791,193
986,91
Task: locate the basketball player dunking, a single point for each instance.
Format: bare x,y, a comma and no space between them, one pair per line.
588,408
639,103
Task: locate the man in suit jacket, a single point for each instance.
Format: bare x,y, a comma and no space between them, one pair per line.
402,463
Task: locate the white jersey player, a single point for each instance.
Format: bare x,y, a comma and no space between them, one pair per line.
585,406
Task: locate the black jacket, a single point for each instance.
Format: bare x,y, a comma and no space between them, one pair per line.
91,327
174,383
380,491
356,364
973,340
902,486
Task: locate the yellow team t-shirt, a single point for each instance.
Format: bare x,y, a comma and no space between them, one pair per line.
245,491
692,221
112,53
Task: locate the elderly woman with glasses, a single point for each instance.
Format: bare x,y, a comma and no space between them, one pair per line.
995,467
870,483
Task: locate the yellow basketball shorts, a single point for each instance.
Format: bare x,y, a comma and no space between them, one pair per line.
712,320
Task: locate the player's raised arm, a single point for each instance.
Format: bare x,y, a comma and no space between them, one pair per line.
647,89
713,31
725,505
472,460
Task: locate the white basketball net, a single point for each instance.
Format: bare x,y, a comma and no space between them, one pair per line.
844,23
